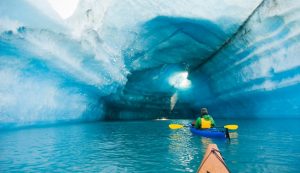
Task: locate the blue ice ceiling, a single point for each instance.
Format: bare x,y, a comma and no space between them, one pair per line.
115,59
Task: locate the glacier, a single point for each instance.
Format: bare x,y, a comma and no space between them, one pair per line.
116,60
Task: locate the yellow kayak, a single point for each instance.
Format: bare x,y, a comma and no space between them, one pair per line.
212,161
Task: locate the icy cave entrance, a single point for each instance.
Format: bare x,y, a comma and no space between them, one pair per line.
160,58
233,70
117,60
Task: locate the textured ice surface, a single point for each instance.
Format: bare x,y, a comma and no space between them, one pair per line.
114,59
257,72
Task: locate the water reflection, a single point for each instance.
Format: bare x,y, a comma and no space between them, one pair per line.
233,135
205,141
182,147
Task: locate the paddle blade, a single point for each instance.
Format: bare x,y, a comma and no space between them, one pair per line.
175,126
231,126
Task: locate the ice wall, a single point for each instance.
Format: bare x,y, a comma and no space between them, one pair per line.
47,75
56,70
142,31
153,39
113,59
256,73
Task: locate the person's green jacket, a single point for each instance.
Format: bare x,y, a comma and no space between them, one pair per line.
207,118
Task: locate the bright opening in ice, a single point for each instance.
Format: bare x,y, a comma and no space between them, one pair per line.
180,81
65,8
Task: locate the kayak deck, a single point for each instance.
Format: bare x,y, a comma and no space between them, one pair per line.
209,133
213,161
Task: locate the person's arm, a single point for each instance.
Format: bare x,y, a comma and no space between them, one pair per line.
198,123
193,123
212,121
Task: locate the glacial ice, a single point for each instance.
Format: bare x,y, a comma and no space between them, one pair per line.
114,60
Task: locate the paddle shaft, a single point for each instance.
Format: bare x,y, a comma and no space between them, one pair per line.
179,126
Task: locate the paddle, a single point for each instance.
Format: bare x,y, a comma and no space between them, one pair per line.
179,126
176,126
231,126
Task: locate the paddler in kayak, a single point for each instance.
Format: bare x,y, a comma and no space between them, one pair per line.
205,121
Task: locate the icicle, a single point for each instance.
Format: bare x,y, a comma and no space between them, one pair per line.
173,101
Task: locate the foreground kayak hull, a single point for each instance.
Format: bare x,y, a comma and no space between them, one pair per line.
209,133
213,161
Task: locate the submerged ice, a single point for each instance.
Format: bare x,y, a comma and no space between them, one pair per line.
115,59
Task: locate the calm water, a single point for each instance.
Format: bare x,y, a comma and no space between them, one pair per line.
148,146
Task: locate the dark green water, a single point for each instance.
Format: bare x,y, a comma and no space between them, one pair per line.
148,146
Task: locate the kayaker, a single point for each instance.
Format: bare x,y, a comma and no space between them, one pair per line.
205,121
